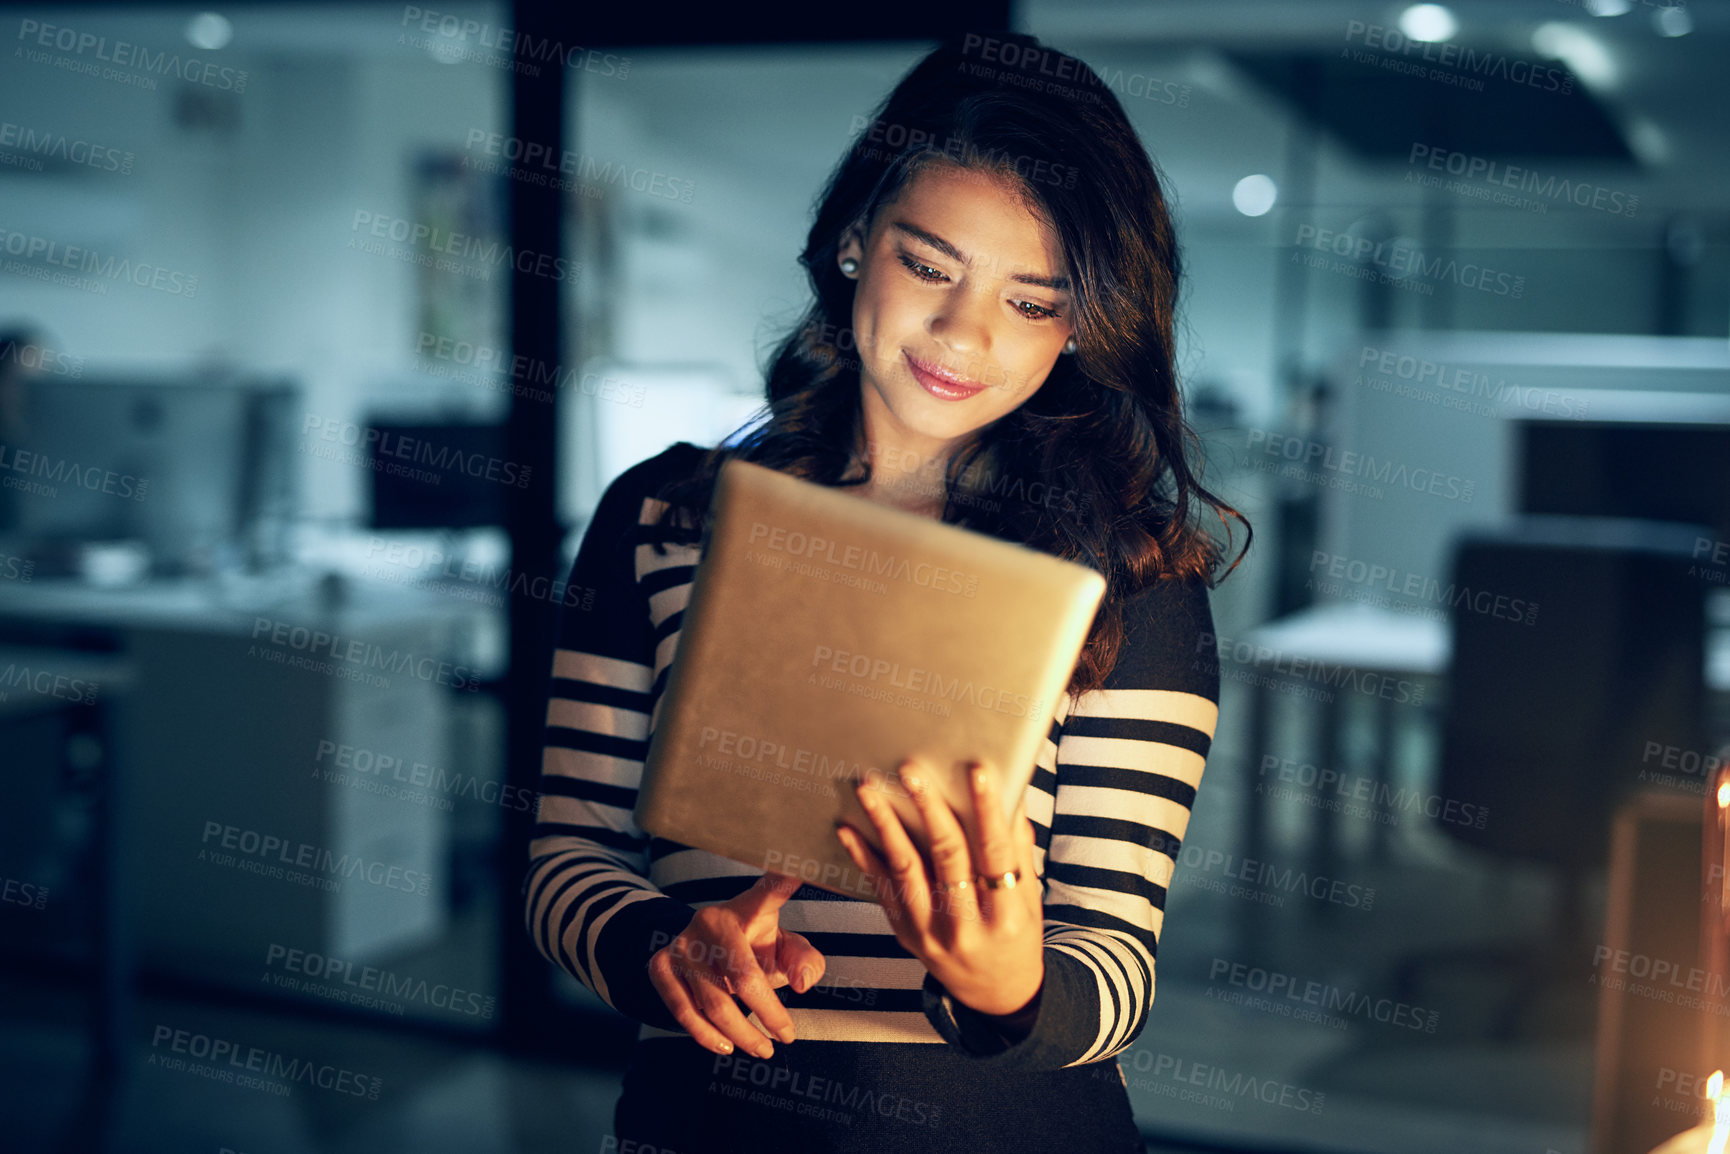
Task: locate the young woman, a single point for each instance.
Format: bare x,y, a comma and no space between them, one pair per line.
995,278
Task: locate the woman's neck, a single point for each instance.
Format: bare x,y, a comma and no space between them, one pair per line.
915,484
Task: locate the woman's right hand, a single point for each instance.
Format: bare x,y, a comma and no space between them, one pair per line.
737,947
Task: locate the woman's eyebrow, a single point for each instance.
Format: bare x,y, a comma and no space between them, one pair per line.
1054,283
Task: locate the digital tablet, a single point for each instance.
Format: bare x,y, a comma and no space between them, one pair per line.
826,638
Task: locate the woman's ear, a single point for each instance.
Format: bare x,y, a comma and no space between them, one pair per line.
850,255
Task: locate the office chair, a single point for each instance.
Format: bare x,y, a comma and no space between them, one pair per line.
1547,720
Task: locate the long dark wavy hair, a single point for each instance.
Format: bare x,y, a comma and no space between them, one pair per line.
1105,429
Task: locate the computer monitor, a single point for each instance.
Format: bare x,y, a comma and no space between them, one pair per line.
440,475
1454,405
198,471
1652,471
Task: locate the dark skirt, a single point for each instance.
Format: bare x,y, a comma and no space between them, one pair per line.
679,1098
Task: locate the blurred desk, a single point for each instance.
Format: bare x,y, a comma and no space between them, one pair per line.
230,604
1343,641
1362,637
42,694
247,694
1352,638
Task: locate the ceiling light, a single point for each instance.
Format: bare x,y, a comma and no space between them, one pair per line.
1254,195
209,31
1428,22
1583,53
1673,20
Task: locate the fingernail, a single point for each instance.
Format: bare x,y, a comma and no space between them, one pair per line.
914,781
785,1035
726,1047
979,776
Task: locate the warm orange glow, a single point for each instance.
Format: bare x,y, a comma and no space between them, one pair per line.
1720,1109
1723,794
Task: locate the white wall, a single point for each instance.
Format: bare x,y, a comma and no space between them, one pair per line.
261,214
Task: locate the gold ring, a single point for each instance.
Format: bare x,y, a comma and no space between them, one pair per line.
1001,881
952,887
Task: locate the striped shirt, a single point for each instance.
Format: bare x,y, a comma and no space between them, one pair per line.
1110,800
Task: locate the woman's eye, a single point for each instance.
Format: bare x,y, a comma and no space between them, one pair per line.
925,272
922,271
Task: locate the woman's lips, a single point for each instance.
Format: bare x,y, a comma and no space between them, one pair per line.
941,383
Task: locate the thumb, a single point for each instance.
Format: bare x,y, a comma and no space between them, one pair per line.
802,963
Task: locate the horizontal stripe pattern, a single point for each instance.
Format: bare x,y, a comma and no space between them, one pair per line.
1110,802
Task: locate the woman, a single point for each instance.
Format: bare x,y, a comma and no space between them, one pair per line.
995,276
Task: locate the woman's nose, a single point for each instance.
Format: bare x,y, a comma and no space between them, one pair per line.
963,326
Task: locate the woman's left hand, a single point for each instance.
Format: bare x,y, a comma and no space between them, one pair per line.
985,945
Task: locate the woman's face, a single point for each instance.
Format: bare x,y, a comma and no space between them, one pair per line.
962,308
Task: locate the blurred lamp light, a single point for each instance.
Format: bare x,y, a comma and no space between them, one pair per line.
1608,7
1583,53
209,31
1254,195
1428,22
1673,20
1720,1115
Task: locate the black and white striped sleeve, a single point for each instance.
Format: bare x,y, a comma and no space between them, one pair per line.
588,902
1129,761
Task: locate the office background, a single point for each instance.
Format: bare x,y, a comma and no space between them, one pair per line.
1454,335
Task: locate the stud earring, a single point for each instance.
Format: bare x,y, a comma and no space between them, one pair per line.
849,266
1069,345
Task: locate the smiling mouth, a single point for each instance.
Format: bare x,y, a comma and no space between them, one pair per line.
941,383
